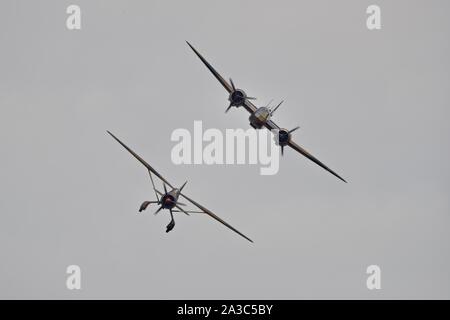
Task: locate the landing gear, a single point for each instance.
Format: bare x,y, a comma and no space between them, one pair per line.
171,223
145,204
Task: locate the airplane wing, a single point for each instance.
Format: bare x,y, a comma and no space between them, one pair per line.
273,126
211,214
149,167
250,107
299,149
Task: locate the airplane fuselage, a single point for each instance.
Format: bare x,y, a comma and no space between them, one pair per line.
259,117
169,200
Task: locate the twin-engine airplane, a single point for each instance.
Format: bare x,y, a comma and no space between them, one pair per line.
260,117
169,199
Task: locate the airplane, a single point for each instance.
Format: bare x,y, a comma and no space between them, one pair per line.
169,199
261,117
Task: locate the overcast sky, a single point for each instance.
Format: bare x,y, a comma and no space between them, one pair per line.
372,105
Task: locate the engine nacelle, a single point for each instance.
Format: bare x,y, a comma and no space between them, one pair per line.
237,98
283,137
255,125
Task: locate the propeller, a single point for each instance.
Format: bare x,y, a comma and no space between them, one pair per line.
237,97
275,109
270,102
180,209
232,84
234,89
292,130
284,136
229,107
159,209
181,188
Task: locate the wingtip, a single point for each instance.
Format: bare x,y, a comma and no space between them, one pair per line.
196,52
247,238
110,133
339,177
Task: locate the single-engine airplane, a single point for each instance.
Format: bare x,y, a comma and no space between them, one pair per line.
169,199
261,117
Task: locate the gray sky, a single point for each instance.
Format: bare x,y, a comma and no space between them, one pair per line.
373,105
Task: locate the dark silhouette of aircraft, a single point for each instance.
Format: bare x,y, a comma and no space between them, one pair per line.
261,117
169,199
